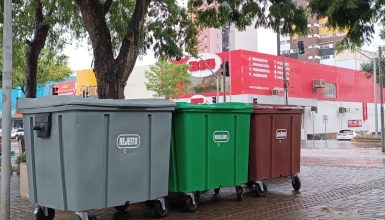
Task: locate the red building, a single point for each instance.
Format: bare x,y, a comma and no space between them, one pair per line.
333,97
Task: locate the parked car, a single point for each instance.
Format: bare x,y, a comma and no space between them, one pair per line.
346,134
19,133
13,133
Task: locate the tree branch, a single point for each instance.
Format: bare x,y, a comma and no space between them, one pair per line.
49,13
39,17
107,6
129,49
95,24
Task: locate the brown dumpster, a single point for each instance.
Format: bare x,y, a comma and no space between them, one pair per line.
275,139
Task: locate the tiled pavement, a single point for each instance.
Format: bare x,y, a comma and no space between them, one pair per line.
340,180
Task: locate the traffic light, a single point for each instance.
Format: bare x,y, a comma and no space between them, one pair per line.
225,68
301,47
55,91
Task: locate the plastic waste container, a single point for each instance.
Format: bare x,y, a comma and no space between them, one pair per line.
275,145
89,153
209,149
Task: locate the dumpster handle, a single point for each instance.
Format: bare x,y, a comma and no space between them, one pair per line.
37,128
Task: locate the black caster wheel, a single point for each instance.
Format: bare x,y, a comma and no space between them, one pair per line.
159,211
90,217
40,215
217,190
190,206
250,184
260,192
122,208
296,183
239,191
197,195
149,203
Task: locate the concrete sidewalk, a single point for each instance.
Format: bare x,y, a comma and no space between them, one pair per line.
340,180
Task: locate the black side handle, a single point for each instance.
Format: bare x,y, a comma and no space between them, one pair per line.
43,125
37,128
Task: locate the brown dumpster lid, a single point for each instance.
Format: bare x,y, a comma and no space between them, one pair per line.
283,108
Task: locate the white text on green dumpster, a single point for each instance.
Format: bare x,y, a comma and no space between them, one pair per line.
221,136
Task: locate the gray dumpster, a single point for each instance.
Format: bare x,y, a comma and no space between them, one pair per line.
90,153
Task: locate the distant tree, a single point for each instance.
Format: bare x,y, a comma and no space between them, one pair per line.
368,67
52,66
167,79
357,17
39,24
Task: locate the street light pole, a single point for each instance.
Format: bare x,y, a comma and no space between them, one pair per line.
382,101
374,88
286,95
375,95
6,119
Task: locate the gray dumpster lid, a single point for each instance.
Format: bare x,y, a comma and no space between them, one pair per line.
65,103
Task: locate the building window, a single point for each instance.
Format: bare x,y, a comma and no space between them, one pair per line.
325,57
329,91
205,37
324,35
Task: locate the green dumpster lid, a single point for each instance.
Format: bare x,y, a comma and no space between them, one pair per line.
60,103
228,106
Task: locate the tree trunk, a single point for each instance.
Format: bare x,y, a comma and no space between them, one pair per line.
34,49
112,73
31,72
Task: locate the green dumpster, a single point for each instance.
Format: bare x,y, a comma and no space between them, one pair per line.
209,149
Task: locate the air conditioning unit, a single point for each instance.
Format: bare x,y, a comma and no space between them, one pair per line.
319,83
275,91
342,110
314,109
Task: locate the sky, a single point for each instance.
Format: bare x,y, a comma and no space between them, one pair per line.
80,57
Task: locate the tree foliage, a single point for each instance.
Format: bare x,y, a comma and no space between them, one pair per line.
358,17
168,29
368,67
280,15
53,66
38,24
167,79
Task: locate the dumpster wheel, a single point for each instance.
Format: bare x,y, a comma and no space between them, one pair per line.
122,208
160,208
296,182
217,190
258,190
239,190
43,213
191,203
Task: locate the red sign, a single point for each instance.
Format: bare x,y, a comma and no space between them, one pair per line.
354,123
65,88
365,111
202,65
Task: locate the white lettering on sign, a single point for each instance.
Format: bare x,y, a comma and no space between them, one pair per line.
221,136
281,134
125,141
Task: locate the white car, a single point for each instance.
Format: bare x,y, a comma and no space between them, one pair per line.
346,134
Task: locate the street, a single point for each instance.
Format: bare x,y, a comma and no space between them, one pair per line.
340,180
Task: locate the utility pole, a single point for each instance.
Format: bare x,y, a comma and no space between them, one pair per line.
6,119
286,95
382,101
375,96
